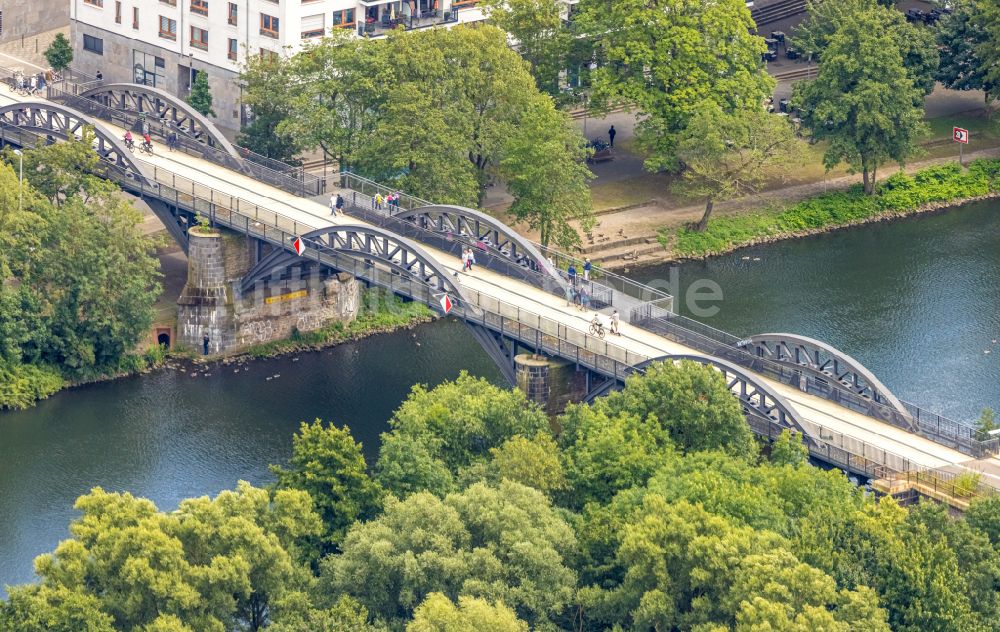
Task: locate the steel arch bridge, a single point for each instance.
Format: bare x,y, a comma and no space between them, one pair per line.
365,245
167,108
48,119
485,231
824,363
757,398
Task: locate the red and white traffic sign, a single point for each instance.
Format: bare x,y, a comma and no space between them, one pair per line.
446,303
960,135
299,246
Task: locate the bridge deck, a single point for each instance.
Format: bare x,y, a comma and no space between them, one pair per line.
821,416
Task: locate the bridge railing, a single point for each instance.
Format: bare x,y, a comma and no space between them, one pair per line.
543,333
708,340
291,179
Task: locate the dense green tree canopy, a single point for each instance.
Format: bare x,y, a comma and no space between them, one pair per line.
649,512
541,38
434,112
77,278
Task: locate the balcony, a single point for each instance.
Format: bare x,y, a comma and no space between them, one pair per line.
425,19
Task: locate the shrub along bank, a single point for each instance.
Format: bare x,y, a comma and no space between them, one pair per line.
902,194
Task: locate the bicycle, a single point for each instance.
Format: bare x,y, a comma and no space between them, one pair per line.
146,148
597,329
129,144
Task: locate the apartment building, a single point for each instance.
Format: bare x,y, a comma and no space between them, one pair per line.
162,43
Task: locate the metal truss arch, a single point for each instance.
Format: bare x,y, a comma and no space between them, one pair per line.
367,243
165,107
757,396
825,362
50,119
481,228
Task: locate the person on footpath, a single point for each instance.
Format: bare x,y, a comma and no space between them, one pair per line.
333,204
378,201
465,259
615,323
204,344
472,258
571,273
611,135
584,298
586,269
339,205
172,140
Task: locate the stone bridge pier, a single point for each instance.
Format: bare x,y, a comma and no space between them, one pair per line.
292,298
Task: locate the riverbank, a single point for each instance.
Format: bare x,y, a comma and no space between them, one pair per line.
23,386
901,195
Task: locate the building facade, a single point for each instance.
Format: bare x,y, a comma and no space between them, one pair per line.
162,43
24,18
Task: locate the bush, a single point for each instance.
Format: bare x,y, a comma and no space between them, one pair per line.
900,193
21,385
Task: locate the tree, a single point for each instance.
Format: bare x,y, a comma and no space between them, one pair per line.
869,112
263,78
691,402
449,428
984,515
211,565
439,614
531,462
789,449
604,453
987,420
728,155
430,110
987,18
504,543
80,278
59,54
962,38
545,171
327,463
201,95
668,57
917,45
537,28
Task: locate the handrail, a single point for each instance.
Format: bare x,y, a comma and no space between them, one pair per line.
293,180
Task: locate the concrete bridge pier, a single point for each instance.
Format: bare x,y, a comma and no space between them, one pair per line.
204,306
551,382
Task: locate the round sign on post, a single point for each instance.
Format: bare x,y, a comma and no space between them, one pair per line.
299,246
960,136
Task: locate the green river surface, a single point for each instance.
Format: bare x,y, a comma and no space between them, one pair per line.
915,300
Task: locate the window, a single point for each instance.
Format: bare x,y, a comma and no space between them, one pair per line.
199,6
268,25
118,12
168,28
149,69
96,3
343,18
312,26
199,38
232,13
93,44
268,54
135,18
1,22
233,48
172,3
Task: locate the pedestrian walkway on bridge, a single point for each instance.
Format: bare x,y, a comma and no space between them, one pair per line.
524,301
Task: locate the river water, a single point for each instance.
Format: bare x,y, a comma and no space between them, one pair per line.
915,300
